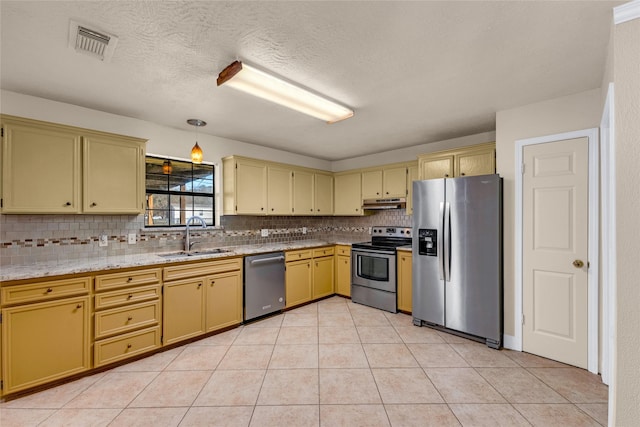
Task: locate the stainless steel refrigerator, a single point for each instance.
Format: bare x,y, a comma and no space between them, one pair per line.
457,256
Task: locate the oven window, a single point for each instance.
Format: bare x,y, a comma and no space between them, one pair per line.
373,268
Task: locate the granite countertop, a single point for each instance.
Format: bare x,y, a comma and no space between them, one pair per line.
47,269
405,248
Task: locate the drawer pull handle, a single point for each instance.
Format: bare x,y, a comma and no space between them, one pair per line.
130,279
128,345
130,318
49,290
129,296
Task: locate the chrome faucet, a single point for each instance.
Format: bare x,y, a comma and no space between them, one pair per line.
187,237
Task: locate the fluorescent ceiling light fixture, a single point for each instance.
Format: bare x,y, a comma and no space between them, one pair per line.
258,83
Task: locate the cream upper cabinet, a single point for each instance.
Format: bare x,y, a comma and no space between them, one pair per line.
412,175
394,182
372,184
303,189
279,188
323,194
467,161
244,186
481,161
348,195
49,168
113,171
40,167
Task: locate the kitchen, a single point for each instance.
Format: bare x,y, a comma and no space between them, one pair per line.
579,110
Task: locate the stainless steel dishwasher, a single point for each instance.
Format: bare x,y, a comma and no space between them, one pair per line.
263,284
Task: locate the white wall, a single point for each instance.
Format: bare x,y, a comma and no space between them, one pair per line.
162,140
569,113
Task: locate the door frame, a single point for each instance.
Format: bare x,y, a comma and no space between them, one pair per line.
593,238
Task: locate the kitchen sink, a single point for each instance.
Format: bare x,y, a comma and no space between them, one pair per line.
184,254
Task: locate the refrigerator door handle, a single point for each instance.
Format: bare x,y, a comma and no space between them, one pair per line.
440,243
446,236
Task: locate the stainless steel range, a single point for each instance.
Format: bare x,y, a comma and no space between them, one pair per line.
373,267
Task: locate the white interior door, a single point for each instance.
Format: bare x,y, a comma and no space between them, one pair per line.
554,263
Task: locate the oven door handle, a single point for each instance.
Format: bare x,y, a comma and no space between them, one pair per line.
373,251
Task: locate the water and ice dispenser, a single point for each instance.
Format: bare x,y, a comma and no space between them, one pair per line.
428,241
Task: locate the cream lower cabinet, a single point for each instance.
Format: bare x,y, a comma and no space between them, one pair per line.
79,170
323,272
343,270
298,279
404,281
47,337
191,300
128,314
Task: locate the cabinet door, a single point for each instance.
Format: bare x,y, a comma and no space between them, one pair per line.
372,184
343,275
303,188
412,175
322,277
404,281
347,194
323,194
44,342
476,162
40,168
436,166
279,183
223,300
394,182
113,170
251,187
298,282
183,310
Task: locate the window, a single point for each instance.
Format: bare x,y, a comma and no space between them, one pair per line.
174,195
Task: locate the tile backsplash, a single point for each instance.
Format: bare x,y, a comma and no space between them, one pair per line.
26,239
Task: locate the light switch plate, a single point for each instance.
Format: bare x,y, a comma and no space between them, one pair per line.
132,238
102,241
264,232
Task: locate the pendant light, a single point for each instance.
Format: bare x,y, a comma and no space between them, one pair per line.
196,151
167,167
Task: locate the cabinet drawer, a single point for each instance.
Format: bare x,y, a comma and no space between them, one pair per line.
129,278
127,296
297,255
343,250
326,251
44,291
201,269
124,319
125,346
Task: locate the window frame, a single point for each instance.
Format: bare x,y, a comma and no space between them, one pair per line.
177,194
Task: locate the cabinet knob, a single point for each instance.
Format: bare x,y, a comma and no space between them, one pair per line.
446,175
94,204
377,194
213,282
199,285
387,192
49,290
129,318
68,204
129,279
356,209
462,174
129,296
79,306
271,209
311,210
128,345
261,209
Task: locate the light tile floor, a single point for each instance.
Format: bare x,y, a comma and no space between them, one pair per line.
330,363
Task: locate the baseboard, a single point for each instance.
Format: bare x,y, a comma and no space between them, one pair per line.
510,342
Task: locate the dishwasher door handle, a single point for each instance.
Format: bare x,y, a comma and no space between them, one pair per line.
263,260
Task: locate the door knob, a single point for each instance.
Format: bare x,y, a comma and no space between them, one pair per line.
578,263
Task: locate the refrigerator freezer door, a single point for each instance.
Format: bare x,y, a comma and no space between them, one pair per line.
473,301
428,288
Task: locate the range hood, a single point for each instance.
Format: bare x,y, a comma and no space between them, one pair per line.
378,204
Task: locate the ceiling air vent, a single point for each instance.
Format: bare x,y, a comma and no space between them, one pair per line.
91,42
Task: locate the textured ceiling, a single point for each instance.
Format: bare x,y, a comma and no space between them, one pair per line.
414,72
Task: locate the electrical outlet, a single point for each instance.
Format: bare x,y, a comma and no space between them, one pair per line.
369,230
304,230
132,238
102,241
162,241
264,232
